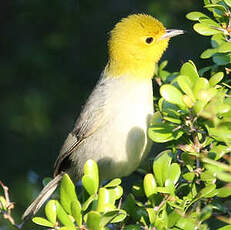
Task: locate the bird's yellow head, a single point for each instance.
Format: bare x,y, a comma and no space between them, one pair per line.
136,44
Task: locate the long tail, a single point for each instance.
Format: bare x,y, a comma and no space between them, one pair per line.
43,196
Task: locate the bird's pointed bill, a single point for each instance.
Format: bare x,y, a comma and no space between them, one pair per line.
171,33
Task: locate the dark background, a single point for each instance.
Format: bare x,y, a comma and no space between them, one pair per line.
51,55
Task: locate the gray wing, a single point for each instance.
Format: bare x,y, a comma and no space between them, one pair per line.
92,117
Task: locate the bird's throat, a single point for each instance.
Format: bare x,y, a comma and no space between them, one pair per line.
137,69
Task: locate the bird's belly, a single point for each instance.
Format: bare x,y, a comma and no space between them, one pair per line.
119,146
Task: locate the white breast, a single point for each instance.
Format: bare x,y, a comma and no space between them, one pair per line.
120,144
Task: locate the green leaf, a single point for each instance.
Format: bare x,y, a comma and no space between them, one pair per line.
209,22
67,228
171,94
188,101
222,59
189,176
206,213
169,111
118,192
224,48
173,174
149,185
106,200
163,131
216,78
90,179
195,16
224,191
218,151
42,221
200,84
76,212
88,202
162,65
50,210
227,227
115,182
63,216
186,85
190,70
3,205
207,95
208,53
161,166
217,40
228,2
89,184
186,224
173,217
204,29
222,132
67,193
93,220
152,214
206,191
114,216
216,6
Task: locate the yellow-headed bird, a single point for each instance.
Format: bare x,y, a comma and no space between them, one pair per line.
112,127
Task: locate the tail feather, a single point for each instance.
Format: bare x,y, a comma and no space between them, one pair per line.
43,196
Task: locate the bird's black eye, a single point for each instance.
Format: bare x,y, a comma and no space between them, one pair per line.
149,40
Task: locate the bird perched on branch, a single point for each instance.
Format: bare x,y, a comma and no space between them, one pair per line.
112,127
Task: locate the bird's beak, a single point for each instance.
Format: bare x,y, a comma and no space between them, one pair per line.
171,33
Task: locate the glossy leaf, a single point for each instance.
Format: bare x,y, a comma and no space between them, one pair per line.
224,191
216,78
152,214
63,216
105,201
206,213
173,173
222,59
186,85
228,2
76,212
227,227
87,203
204,29
67,193
200,84
189,176
195,16
163,131
208,53
149,185
171,94
90,179
93,221
113,183
43,222
206,190
161,166
190,70
3,205
114,216
225,47
50,210
67,228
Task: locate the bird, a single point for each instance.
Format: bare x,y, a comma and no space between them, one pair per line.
112,126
